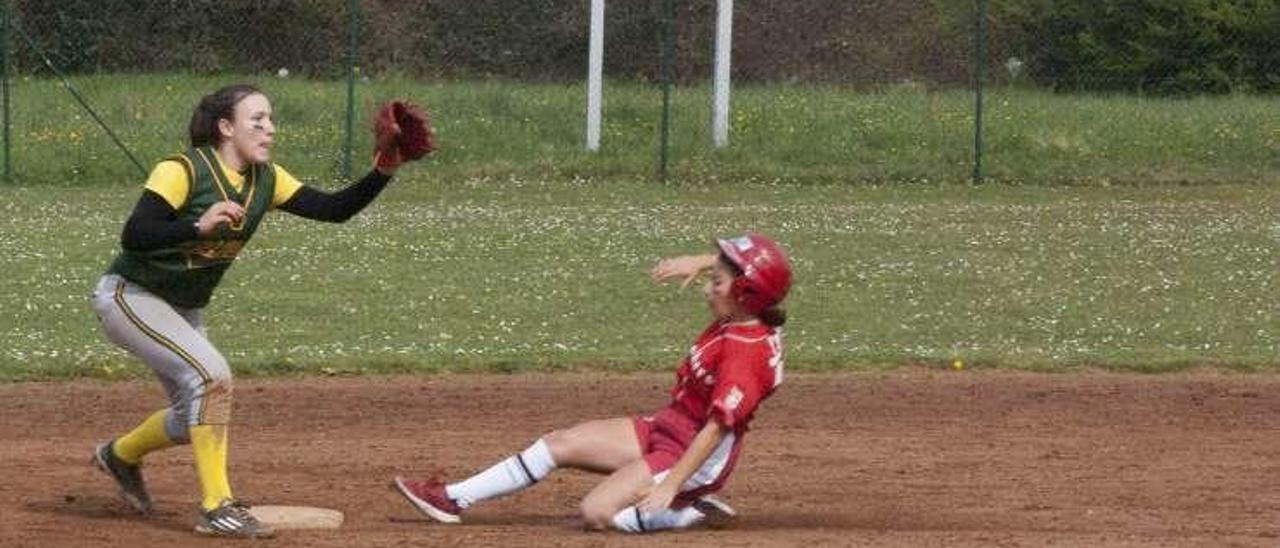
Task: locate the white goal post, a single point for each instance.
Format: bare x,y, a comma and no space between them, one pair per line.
595,74
720,74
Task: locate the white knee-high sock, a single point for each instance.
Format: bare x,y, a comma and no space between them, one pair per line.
632,520
513,474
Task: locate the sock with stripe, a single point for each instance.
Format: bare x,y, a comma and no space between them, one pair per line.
513,474
210,444
632,520
145,438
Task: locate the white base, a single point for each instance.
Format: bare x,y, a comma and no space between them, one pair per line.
297,517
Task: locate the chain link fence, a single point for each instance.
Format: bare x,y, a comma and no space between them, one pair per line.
1125,91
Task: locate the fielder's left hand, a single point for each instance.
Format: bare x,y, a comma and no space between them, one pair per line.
402,133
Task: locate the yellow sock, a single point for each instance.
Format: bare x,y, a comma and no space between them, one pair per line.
145,438
210,444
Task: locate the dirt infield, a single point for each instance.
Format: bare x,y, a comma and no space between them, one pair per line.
904,458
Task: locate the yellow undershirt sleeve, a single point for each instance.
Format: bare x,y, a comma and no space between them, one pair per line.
286,187
169,180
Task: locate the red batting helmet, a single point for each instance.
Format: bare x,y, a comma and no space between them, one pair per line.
766,272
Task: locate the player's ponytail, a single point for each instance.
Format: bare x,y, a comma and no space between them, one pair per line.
773,317
218,105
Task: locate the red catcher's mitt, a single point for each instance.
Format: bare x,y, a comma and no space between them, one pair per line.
402,133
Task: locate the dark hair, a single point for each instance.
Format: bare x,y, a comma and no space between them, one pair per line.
216,106
773,316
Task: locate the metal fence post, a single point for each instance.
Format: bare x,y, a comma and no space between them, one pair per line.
979,71
4,88
353,27
668,75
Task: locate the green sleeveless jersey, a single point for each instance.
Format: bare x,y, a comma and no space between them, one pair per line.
186,274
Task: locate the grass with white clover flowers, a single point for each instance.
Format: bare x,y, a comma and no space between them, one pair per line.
510,274
514,250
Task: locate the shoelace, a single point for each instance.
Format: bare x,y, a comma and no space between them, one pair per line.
240,511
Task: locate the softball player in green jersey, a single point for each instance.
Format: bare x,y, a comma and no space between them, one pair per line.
197,212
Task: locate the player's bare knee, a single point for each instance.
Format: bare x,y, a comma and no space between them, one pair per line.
561,446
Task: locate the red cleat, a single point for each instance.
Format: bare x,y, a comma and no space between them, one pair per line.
430,499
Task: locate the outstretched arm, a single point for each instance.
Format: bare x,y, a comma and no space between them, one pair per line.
660,497
339,206
688,267
402,133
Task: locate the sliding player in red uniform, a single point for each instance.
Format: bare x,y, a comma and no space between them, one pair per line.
662,468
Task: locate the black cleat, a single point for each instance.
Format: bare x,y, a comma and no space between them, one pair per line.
232,519
128,477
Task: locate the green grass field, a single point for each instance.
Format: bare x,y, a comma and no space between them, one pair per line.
514,249
789,133
514,273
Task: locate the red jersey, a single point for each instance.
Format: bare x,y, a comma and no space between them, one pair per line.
729,370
